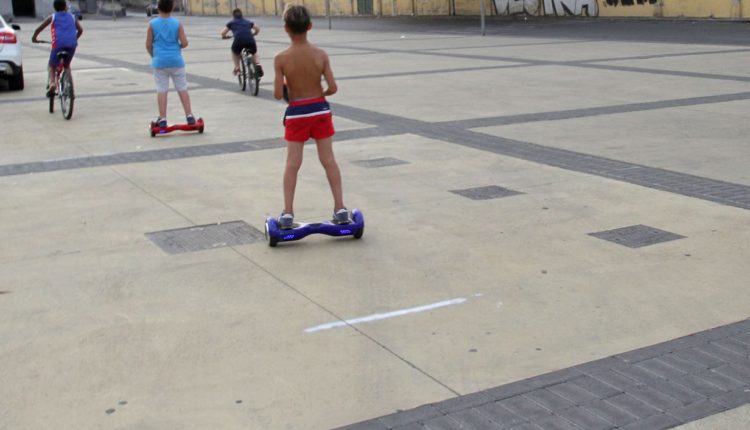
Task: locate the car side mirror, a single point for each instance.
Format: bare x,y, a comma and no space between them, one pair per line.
15,26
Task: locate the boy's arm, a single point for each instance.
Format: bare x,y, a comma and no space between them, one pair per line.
278,80
328,75
224,33
150,41
256,29
79,30
41,27
183,38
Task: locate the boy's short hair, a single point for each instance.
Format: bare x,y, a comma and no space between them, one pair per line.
297,18
59,5
237,13
165,6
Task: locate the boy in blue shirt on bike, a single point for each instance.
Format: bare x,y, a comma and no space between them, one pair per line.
244,32
165,40
65,33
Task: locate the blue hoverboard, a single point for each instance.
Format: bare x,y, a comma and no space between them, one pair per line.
276,234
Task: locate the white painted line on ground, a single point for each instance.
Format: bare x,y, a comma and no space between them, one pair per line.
375,317
102,69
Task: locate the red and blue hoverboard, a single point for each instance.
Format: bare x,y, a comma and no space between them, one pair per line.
198,126
276,234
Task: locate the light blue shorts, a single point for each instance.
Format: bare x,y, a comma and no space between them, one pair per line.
161,76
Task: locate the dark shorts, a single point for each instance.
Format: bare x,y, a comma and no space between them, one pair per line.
238,46
54,61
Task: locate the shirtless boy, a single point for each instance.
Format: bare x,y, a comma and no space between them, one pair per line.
308,115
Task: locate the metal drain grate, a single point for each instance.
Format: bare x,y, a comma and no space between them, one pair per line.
637,236
380,162
486,193
201,237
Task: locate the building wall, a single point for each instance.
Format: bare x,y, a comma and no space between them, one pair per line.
607,8
6,9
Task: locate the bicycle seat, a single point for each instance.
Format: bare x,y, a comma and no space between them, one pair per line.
63,54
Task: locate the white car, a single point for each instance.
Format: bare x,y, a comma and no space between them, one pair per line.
11,67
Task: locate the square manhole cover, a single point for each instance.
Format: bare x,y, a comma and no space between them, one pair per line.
380,162
201,237
486,193
636,236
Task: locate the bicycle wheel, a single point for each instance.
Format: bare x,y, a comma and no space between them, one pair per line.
66,95
242,77
52,103
253,77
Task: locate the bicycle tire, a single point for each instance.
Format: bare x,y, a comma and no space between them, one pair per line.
253,78
66,95
242,77
51,103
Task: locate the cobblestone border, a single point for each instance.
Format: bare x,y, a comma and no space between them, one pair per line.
656,387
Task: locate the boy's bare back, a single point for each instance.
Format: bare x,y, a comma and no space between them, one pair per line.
302,64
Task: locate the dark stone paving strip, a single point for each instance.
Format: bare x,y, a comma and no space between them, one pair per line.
663,72
594,111
163,154
42,98
656,387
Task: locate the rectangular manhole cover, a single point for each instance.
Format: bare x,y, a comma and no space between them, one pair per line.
636,236
380,162
209,236
486,193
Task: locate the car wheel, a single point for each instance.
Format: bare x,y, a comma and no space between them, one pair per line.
16,81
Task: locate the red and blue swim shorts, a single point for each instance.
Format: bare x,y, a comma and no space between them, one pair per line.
309,118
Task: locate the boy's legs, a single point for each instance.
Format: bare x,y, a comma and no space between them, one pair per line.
327,159
294,152
51,84
161,100
161,77
180,84
236,60
185,100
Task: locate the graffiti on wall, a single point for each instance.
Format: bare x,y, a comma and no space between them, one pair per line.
629,2
510,7
574,7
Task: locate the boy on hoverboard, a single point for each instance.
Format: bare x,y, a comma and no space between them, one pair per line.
298,70
165,40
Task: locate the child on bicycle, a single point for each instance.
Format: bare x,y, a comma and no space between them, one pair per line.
244,32
308,114
66,30
165,40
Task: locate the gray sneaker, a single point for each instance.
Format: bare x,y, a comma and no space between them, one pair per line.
286,221
341,216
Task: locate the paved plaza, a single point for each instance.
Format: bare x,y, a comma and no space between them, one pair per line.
556,234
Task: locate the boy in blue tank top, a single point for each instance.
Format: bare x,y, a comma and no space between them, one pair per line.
65,33
165,40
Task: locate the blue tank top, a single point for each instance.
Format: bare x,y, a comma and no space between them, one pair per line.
64,32
167,51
